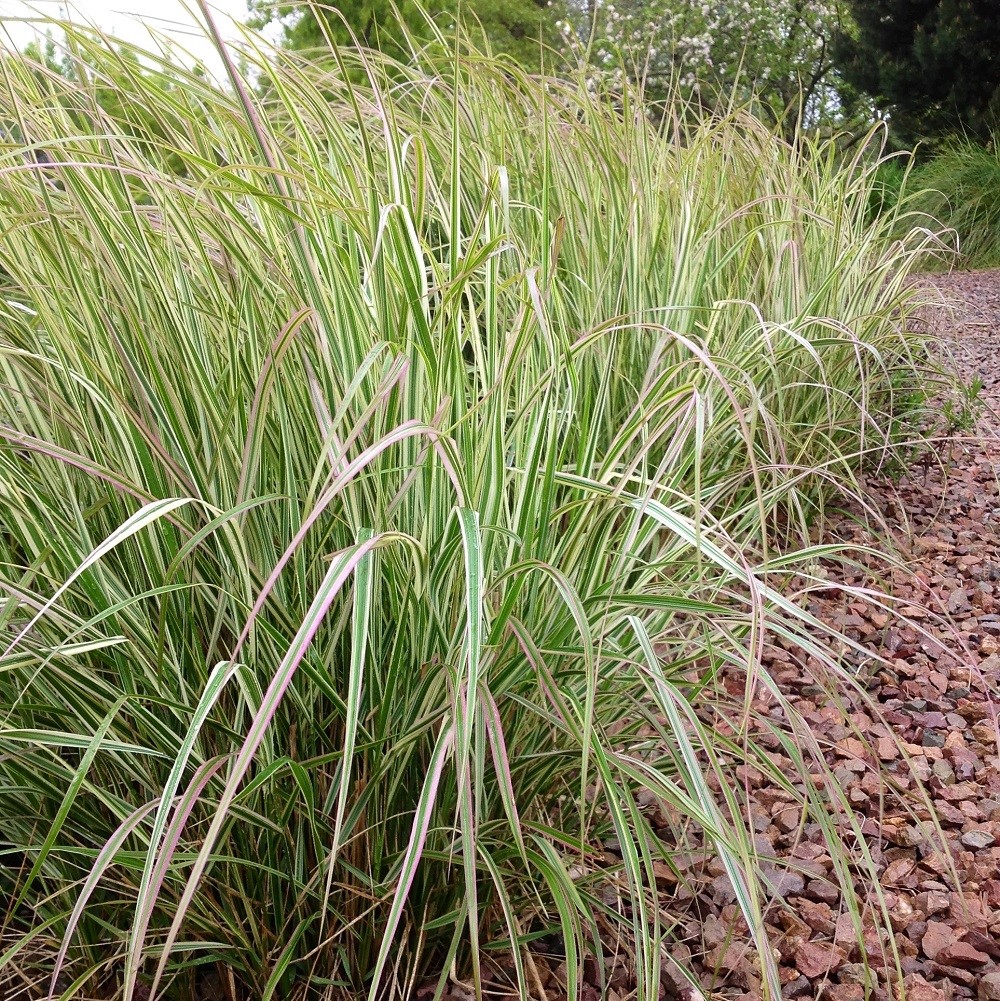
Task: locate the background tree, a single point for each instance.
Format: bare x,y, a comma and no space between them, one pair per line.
112,83
513,27
932,65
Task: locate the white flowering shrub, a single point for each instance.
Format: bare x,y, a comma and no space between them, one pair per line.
777,51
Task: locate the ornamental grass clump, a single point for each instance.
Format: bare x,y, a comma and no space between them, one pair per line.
960,186
392,458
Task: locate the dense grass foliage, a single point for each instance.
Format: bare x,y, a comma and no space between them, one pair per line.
387,472
892,179
960,187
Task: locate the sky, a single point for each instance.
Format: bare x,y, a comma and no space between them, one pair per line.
127,19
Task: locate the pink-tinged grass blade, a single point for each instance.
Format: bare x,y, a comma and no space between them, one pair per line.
360,624
414,850
343,565
158,857
104,859
466,715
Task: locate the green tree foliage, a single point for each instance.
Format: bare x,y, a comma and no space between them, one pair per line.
518,28
932,65
112,108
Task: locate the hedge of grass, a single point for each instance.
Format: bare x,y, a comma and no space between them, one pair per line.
389,466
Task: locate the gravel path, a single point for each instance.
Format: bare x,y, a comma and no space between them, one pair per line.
915,749
934,734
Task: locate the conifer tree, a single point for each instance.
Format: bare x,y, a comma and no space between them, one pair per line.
516,28
932,65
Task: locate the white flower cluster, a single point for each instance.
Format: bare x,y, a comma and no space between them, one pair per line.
774,48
